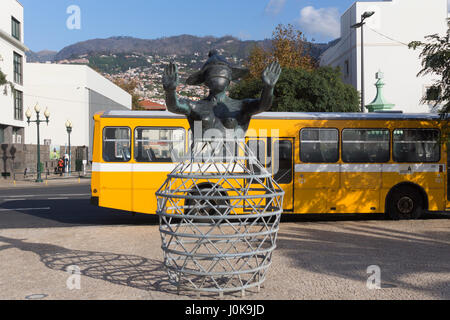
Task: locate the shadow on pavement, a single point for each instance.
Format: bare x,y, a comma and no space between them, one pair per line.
347,250
126,270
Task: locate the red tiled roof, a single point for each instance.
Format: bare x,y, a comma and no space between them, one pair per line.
153,106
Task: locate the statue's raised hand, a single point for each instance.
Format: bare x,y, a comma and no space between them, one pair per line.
170,77
271,74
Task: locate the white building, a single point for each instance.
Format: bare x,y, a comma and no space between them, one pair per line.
386,37
70,92
12,60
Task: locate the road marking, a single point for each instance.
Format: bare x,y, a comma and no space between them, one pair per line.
24,209
45,195
23,195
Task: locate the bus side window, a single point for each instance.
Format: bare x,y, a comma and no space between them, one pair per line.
116,144
365,145
159,145
416,145
319,145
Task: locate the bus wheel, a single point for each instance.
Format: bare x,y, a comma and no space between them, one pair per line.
405,203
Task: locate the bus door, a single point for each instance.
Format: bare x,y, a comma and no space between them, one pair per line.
283,169
116,180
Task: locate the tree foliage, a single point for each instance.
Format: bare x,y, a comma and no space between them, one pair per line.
288,48
436,60
300,90
130,87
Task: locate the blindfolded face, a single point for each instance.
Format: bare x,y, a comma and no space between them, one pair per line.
218,78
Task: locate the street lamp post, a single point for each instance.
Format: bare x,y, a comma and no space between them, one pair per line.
361,24
37,109
69,131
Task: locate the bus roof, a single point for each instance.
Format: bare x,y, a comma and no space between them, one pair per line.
289,115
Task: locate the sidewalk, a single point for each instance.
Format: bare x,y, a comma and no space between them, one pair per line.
54,181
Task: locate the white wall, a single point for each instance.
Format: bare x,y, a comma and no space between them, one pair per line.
64,90
8,45
100,84
10,8
56,87
386,35
7,101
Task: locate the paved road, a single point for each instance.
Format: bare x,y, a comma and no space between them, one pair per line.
59,206
45,230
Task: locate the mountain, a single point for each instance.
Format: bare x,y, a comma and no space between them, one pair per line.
178,45
142,61
41,56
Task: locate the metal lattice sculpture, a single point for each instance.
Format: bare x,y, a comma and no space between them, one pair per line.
219,216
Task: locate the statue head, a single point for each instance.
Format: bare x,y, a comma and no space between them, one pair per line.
217,73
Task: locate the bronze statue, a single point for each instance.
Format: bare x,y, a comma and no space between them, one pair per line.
207,189
218,111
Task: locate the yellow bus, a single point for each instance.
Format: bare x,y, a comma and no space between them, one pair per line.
388,163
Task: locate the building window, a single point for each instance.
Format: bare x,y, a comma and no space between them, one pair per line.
416,145
319,145
347,68
18,105
159,145
365,145
15,28
18,69
17,136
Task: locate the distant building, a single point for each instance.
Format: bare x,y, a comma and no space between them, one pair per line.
70,92
12,60
151,106
387,34
75,61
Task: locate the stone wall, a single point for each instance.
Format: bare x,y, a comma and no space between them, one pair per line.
16,158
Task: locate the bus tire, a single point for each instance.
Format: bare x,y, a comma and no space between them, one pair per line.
405,203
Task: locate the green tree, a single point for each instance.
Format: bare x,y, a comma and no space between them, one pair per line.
300,90
436,60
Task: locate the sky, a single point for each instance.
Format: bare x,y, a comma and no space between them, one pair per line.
54,24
